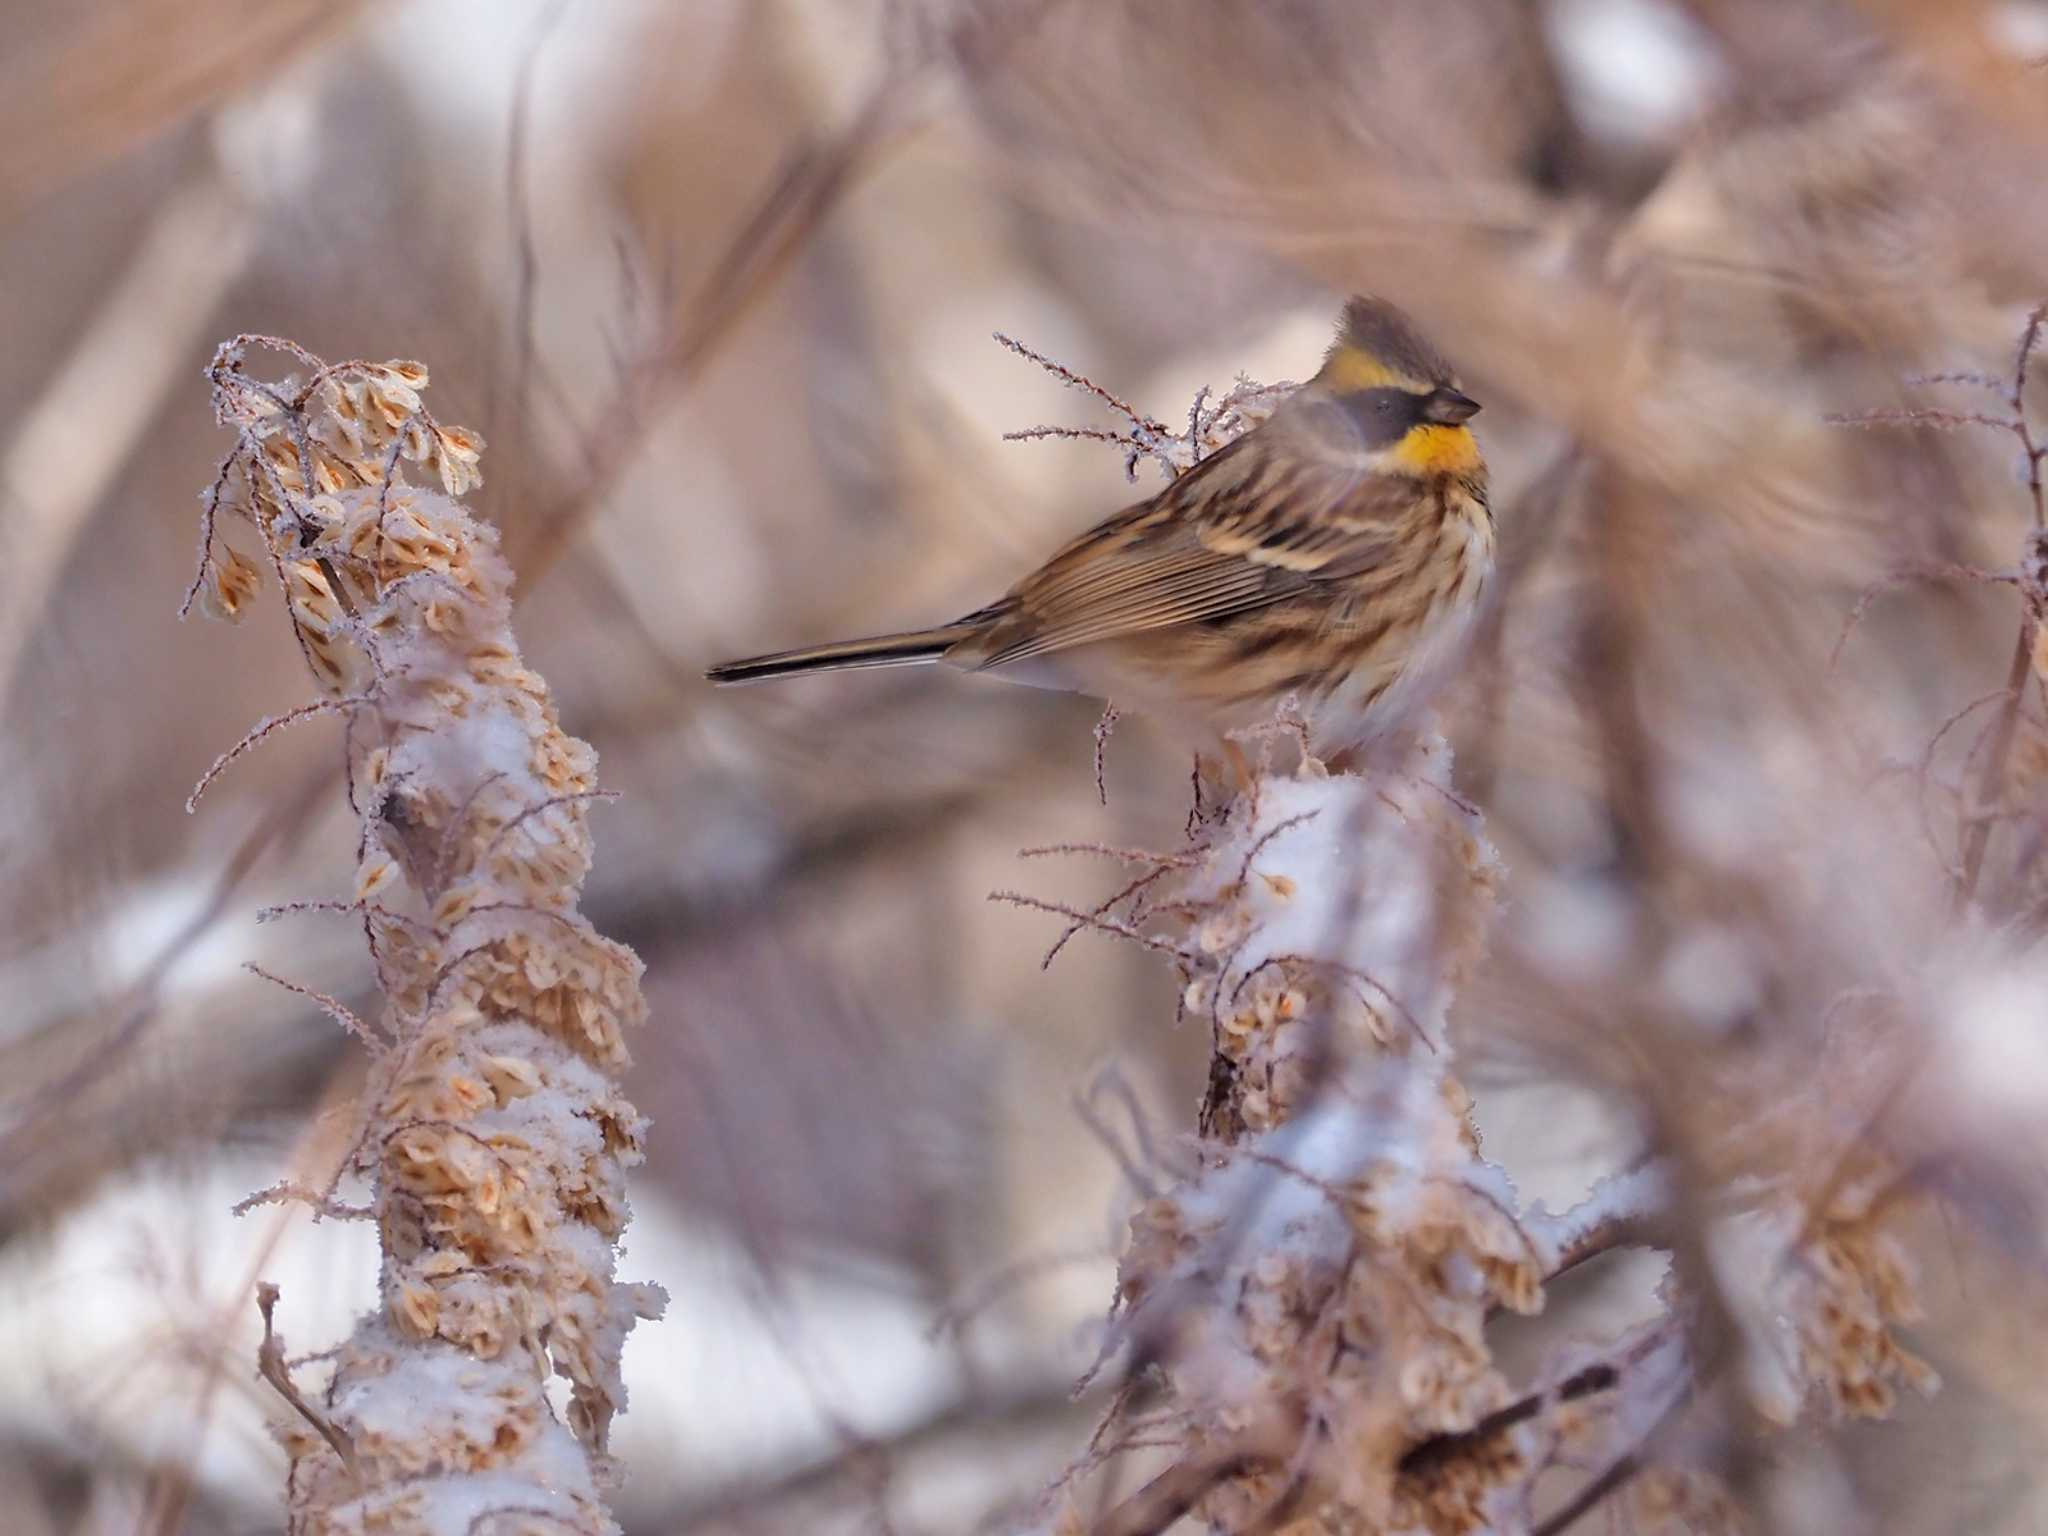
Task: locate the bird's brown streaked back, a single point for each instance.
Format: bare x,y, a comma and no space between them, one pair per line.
1364,490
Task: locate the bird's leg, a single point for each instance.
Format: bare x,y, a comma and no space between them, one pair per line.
1345,760
1103,728
1231,773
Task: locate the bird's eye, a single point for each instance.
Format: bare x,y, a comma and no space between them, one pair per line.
1384,405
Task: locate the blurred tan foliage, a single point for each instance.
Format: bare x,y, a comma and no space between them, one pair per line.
716,282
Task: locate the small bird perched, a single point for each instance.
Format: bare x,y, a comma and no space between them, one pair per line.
1335,553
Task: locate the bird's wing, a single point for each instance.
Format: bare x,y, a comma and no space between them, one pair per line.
1245,528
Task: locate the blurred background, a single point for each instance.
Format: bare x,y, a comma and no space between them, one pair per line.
716,282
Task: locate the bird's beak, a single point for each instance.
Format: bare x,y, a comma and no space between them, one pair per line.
1448,408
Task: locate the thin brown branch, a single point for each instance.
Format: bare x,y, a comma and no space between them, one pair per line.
1425,1455
1977,838
1174,1492
1617,1475
1939,570
1601,1376
811,181
1092,920
333,1007
289,1193
519,201
1139,420
1128,1165
1135,888
25,1138
262,731
270,1365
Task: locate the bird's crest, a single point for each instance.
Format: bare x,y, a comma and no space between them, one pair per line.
1377,345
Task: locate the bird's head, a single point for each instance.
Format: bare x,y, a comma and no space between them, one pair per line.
1398,391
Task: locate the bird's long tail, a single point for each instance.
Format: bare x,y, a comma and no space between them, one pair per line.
911,648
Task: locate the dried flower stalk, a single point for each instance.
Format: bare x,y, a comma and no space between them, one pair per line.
1314,1291
1319,1286
493,1133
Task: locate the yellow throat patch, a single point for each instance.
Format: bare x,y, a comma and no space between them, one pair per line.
1432,449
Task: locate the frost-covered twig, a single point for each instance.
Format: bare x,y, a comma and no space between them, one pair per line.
2031,578
493,1135
1209,426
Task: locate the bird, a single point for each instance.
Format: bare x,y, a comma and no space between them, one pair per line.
1333,556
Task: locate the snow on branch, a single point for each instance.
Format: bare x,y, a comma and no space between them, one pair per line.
1315,1294
492,1132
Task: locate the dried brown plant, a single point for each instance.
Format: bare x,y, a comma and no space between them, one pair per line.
492,1132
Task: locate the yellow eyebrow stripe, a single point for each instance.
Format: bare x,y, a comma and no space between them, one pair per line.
1352,369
